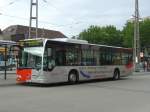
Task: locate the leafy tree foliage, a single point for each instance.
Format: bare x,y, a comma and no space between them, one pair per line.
109,35
145,33
102,35
128,33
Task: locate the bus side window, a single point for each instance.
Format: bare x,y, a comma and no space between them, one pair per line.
60,57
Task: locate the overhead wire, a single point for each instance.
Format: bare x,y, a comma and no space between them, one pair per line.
70,25
9,4
17,17
45,1
76,22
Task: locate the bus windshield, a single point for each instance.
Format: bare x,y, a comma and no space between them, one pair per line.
31,57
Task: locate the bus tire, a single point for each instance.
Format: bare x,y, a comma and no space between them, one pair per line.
116,75
73,77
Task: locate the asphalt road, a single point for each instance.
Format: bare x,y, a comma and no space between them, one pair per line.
131,94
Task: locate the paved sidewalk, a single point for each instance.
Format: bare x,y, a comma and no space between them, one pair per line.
11,79
7,82
141,73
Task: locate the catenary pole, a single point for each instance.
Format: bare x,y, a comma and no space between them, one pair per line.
33,24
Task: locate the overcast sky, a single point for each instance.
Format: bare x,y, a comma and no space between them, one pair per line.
71,16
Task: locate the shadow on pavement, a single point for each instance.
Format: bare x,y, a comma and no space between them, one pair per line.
68,84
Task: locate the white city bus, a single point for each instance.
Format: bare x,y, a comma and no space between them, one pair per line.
62,59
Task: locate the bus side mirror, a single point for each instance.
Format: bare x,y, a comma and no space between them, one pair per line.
49,51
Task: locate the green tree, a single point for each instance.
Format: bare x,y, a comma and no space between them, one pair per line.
145,33
108,35
128,33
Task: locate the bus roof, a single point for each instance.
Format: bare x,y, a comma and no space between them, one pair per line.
71,40
61,40
75,41
82,42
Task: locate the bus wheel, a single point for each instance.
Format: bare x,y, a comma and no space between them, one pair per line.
73,77
116,75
